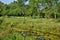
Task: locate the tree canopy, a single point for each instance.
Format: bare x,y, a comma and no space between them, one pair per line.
41,8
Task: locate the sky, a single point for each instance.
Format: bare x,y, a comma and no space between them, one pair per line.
7,1
26,3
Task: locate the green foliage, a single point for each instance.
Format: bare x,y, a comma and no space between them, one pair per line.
1,21
58,20
27,28
58,9
18,8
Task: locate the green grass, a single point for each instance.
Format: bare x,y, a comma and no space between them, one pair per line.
9,24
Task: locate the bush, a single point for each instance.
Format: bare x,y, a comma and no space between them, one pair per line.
1,22
58,20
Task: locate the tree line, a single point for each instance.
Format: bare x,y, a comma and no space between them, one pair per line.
36,8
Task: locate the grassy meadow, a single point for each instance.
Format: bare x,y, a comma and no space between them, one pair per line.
20,28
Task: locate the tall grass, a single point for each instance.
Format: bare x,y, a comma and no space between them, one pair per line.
10,25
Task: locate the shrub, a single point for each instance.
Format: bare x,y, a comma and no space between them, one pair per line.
1,22
58,20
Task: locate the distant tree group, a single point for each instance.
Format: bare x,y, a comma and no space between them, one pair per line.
41,8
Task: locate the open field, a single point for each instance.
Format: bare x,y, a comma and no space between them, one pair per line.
30,20
14,28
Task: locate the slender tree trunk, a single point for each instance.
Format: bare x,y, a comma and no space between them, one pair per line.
55,15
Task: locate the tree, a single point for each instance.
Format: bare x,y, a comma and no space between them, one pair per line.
4,9
14,9
1,8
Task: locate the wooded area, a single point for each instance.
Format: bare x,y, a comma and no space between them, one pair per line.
39,8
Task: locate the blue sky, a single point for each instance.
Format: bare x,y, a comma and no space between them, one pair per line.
7,1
